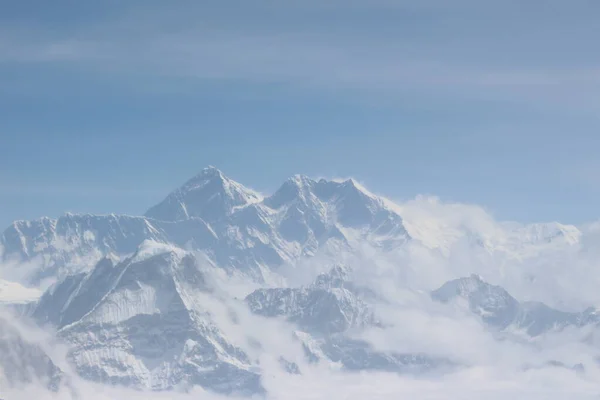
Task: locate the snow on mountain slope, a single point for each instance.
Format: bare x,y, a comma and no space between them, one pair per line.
302,217
77,233
314,309
497,308
137,311
237,228
243,232
321,210
326,312
210,195
73,242
141,323
492,303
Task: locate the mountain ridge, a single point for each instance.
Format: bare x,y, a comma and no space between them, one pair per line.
140,323
238,228
498,309
254,235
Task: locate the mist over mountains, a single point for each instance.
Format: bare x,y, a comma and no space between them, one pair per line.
230,292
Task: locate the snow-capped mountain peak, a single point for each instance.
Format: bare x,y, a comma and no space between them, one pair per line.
210,195
234,225
549,232
497,308
492,303
298,188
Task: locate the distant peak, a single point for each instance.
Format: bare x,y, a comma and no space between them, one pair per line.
476,277
300,180
209,195
355,185
297,187
211,170
208,173
346,184
466,287
297,184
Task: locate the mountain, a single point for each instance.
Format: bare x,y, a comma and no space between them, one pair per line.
73,242
492,303
317,211
137,308
245,232
237,228
209,195
325,307
497,308
326,312
441,226
141,323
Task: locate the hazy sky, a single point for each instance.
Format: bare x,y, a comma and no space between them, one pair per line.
107,106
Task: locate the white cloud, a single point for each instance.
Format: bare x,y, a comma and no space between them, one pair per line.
496,369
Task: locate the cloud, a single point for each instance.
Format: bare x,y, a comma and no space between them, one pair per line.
493,367
392,63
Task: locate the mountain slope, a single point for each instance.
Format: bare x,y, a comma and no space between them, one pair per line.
238,229
326,312
314,309
73,242
243,232
497,308
210,196
302,218
141,323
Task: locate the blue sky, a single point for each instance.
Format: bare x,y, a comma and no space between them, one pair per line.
107,106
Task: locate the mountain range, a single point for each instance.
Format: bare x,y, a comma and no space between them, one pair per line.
136,298
238,228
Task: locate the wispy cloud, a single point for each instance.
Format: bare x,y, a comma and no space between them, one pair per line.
404,62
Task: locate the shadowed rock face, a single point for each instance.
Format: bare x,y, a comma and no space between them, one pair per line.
497,308
23,362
